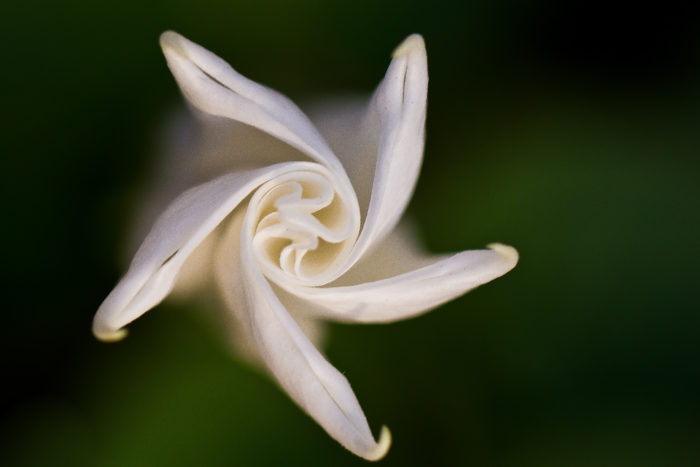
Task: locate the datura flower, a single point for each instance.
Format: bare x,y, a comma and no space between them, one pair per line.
304,232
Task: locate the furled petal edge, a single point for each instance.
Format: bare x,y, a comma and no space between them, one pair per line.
411,293
178,231
313,383
214,87
399,106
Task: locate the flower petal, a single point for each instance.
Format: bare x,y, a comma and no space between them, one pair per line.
214,87
398,108
313,383
193,151
175,235
411,293
227,266
353,137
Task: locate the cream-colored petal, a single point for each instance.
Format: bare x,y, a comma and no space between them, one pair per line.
175,235
410,293
214,87
313,383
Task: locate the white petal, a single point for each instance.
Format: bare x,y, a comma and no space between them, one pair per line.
400,252
193,151
227,266
227,145
170,175
196,273
176,234
352,136
410,293
398,107
214,87
313,383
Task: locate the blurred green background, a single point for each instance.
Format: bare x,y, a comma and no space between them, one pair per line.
569,130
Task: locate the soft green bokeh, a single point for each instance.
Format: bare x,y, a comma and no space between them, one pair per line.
586,354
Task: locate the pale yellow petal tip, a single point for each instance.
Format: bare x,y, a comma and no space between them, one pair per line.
172,41
411,43
382,447
507,252
111,336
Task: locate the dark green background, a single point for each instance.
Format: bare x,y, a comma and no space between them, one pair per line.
569,131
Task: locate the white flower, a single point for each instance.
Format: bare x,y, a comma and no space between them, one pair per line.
301,236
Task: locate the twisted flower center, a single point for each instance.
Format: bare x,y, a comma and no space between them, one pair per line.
302,228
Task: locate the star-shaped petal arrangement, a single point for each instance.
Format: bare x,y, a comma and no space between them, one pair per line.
309,236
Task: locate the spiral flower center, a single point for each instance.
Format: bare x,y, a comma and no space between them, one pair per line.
303,228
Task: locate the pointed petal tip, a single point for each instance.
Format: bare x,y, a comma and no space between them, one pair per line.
170,41
110,336
410,44
508,253
382,446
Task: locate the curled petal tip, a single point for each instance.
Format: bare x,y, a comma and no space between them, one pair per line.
110,336
411,43
508,253
382,446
